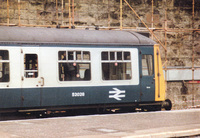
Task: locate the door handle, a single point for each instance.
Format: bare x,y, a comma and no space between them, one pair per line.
42,81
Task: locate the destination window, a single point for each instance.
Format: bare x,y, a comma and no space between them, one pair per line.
31,65
116,65
74,65
147,65
4,66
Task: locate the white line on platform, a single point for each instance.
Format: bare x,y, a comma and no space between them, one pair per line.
190,132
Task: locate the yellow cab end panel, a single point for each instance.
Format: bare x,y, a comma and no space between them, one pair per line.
159,76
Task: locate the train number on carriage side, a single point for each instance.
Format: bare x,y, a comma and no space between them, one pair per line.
78,94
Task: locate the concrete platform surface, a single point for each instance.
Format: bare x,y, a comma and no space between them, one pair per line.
126,125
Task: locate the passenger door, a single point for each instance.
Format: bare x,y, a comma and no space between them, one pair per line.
31,80
147,82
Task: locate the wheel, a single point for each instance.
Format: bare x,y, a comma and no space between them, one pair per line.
168,104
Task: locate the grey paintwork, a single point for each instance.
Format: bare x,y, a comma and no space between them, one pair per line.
71,36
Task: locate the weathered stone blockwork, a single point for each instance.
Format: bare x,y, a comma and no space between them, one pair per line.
106,13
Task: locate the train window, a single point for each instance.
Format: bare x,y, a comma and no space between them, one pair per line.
78,55
4,66
127,56
76,67
62,55
86,55
119,55
112,55
117,67
147,65
70,55
104,56
31,65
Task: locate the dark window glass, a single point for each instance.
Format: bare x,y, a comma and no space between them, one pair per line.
115,68
31,65
75,69
74,72
4,66
70,55
104,55
78,55
147,65
127,56
116,71
62,55
119,55
86,55
4,55
112,55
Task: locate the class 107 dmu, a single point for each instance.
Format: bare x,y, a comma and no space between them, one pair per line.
49,69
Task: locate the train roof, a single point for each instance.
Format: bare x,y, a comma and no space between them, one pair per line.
34,35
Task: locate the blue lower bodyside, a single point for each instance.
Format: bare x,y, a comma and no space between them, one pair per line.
66,96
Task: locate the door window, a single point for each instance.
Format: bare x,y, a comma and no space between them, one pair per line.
147,65
31,65
4,66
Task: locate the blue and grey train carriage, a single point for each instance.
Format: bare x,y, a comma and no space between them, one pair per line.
48,69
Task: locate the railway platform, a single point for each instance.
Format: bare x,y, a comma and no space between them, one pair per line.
176,123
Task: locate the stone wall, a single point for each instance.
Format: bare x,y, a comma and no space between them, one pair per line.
105,13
